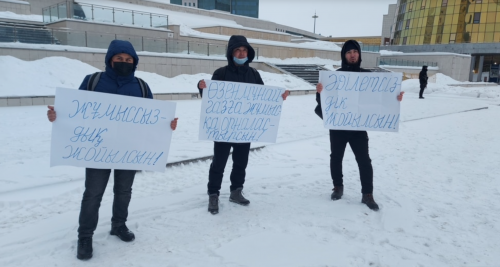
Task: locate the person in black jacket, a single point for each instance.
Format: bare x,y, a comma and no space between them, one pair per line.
422,77
358,140
239,55
118,78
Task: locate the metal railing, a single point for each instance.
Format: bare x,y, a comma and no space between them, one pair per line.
405,62
98,13
102,40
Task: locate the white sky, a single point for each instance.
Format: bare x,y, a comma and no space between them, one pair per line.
338,18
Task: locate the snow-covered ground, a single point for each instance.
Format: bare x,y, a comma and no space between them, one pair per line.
436,181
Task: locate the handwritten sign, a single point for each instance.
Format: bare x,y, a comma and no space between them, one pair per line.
360,101
108,131
240,112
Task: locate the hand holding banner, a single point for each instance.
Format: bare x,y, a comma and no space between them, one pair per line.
240,112
108,131
360,101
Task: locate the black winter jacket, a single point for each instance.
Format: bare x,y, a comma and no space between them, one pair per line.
233,73
345,67
422,76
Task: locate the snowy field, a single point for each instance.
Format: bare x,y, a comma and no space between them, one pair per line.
436,181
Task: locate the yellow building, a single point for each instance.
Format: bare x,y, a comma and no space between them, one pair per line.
447,21
457,26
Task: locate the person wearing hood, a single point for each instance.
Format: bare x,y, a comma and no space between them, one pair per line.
239,55
422,77
118,78
358,140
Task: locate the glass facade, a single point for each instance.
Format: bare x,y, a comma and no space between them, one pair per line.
421,22
249,8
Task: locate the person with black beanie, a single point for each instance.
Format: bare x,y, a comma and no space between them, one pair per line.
358,140
422,77
239,55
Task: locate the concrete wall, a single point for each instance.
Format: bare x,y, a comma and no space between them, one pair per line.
275,51
247,33
413,72
161,64
133,34
368,59
82,26
454,65
469,48
18,8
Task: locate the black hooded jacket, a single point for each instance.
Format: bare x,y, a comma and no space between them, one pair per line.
233,73
422,76
345,67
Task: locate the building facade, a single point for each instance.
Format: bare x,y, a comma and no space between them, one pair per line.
457,26
249,8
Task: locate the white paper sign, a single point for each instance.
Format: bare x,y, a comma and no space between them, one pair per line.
240,112
360,101
108,131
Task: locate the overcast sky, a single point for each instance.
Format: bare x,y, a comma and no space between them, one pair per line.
338,18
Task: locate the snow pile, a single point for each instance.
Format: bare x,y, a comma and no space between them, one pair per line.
41,77
11,15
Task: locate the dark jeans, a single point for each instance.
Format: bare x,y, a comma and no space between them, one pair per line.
240,161
358,140
95,184
422,88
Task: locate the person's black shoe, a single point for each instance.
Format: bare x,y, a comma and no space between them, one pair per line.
84,250
338,192
369,201
123,233
421,97
213,203
238,198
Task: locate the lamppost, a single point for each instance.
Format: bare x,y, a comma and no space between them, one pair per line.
315,17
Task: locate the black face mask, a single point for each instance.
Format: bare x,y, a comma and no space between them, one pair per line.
123,68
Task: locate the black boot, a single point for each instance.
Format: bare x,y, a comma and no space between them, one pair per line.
338,192
84,250
369,201
237,197
123,233
213,203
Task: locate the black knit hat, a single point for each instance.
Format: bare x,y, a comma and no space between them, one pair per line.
348,46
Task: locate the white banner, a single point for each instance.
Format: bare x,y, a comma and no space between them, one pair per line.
360,101
240,112
108,131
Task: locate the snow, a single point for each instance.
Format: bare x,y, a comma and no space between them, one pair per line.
436,182
69,73
15,2
12,15
397,53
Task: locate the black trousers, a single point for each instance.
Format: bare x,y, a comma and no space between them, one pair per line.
358,140
422,88
240,162
95,184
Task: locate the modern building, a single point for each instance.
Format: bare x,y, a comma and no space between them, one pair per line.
249,8
387,23
457,26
